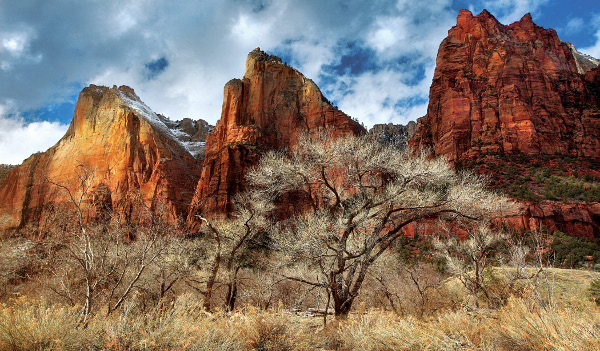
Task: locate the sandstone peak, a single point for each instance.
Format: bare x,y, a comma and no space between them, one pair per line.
464,14
505,92
126,89
507,89
136,161
269,108
259,55
258,60
526,18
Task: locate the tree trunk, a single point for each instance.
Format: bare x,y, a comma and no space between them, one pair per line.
342,302
210,283
231,295
232,289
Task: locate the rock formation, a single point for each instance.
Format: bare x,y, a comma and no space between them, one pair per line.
192,134
396,135
135,163
507,89
269,108
579,219
513,90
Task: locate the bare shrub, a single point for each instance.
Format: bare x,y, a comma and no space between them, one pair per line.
470,259
406,288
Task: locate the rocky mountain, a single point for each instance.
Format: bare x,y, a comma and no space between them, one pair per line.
396,135
517,104
4,169
509,89
132,164
191,133
269,108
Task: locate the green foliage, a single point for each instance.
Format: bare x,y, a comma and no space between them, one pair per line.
560,188
558,178
522,191
573,252
594,291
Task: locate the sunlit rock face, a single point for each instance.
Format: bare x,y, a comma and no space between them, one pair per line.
135,165
269,108
508,89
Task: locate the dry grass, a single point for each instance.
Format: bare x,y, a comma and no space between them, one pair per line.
35,325
521,325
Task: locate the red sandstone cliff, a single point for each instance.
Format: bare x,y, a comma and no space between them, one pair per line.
126,147
269,108
515,90
502,89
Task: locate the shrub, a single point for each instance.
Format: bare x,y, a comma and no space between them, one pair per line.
573,252
594,290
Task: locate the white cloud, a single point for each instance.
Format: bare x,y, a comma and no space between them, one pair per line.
15,43
206,43
574,25
593,50
509,11
382,97
18,140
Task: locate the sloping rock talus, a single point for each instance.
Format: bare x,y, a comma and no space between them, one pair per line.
135,165
269,108
507,89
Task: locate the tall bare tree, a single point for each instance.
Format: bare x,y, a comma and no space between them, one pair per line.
360,195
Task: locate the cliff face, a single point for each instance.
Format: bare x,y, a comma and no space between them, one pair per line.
578,219
510,92
396,135
134,162
269,108
507,89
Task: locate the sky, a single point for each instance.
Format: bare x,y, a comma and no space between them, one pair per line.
374,59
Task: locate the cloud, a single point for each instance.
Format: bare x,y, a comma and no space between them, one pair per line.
574,25
593,50
18,140
382,97
509,11
178,56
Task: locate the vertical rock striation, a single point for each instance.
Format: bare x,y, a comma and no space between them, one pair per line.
269,108
508,89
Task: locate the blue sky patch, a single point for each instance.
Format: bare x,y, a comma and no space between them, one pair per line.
156,67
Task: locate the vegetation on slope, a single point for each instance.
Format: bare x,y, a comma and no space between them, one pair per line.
523,177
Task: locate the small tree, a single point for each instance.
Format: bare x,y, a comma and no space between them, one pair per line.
471,257
230,240
359,196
